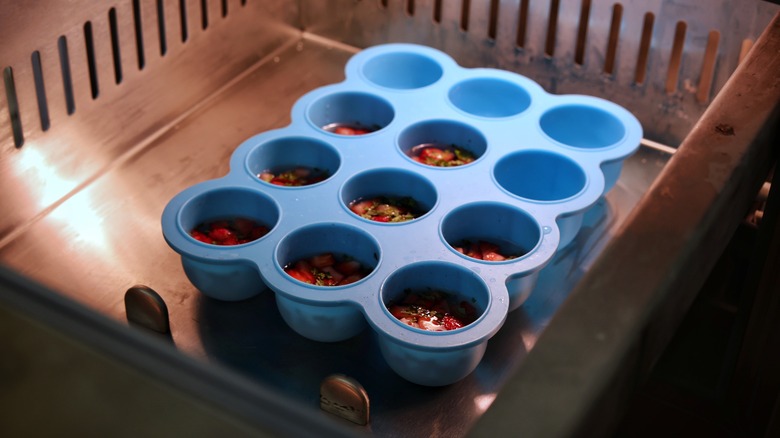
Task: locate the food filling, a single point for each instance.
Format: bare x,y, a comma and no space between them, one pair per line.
433,311
483,250
327,269
298,176
229,231
386,208
347,129
439,155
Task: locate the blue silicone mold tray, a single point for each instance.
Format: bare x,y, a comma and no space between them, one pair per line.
541,161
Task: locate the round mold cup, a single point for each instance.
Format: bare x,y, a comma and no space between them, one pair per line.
392,183
352,109
324,313
444,134
217,271
611,170
402,70
489,97
582,126
430,361
544,177
515,232
291,153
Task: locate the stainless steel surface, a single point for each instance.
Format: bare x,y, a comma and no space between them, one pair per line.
82,198
79,147
69,371
101,250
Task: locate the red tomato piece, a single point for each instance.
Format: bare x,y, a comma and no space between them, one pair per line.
322,260
201,237
398,311
361,207
220,234
451,323
350,279
332,276
437,155
344,130
348,267
305,269
492,257
380,218
243,226
300,275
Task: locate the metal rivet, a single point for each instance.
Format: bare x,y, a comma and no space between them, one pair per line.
343,396
146,308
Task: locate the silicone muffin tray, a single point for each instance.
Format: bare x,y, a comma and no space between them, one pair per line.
541,161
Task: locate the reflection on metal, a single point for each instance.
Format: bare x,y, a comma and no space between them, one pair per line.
343,396
42,176
484,401
146,308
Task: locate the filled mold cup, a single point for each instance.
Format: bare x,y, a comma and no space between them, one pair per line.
490,232
220,221
540,176
402,70
293,161
582,126
442,143
329,261
433,299
350,113
388,196
489,97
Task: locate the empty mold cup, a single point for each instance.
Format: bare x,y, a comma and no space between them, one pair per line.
319,311
586,127
492,232
293,161
423,356
220,271
582,126
402,70
359,112
544,177
489,97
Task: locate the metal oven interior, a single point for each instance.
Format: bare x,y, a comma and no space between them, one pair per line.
110,109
